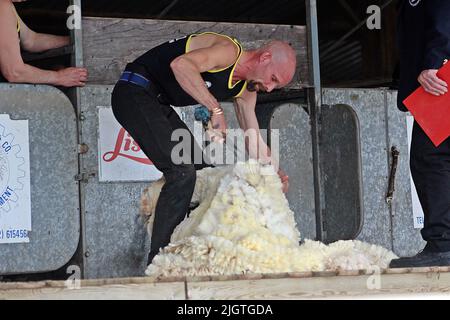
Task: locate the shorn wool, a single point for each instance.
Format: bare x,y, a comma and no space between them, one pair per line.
244,225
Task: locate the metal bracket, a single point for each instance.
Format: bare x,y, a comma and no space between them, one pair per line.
390,194
83,148
84,176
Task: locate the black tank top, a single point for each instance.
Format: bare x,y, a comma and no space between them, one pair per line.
157,63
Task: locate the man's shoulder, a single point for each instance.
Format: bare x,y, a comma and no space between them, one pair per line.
224,41
6,9
220,36
5,4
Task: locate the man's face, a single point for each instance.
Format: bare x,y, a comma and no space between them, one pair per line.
265,79
255,86
269,75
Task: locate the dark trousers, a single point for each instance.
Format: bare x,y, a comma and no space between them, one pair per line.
430,168
151,124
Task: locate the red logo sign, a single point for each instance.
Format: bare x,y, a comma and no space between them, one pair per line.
125,143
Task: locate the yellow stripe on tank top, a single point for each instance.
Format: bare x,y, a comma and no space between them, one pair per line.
242,90
188,42
18,22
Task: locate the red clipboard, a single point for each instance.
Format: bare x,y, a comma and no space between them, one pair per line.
431,112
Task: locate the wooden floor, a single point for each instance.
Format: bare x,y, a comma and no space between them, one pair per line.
387,284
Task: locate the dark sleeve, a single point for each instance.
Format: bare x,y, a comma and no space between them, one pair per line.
437,33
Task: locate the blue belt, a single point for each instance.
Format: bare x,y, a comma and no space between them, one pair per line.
135,78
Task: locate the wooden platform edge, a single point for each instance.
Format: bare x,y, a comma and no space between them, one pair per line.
307,285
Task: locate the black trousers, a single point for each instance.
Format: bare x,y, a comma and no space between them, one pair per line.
151,124
430,169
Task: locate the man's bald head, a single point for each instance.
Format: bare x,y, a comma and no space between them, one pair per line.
283,56
274,68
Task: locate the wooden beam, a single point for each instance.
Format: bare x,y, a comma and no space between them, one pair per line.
118,289
410,283
325,286
109,44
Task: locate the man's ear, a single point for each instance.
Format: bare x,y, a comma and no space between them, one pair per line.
265,57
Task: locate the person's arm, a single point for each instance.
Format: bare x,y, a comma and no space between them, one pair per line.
245,107
208,52
38,42
438,33
218,53
437,47
12,66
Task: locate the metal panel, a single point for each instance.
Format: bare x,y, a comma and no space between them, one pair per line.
369,106
116,243
296,160
77,40
407,241
54,191
341,165
382,127
314,110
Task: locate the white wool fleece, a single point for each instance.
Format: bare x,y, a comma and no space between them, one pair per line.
244,225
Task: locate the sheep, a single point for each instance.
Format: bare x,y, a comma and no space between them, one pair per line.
244,225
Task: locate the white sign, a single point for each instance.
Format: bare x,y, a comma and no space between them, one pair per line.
15,195
417,207
120,157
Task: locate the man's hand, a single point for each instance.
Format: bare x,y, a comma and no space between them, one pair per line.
284,180
72,77
219,127
431,82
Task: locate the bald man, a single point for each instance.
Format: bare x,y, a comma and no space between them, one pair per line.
14,35
202,69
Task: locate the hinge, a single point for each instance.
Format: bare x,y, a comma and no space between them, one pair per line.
391,187
84,176
83,148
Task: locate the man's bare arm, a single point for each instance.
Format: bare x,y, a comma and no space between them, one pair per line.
245,111
188,67
245,106
12,65
38,42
